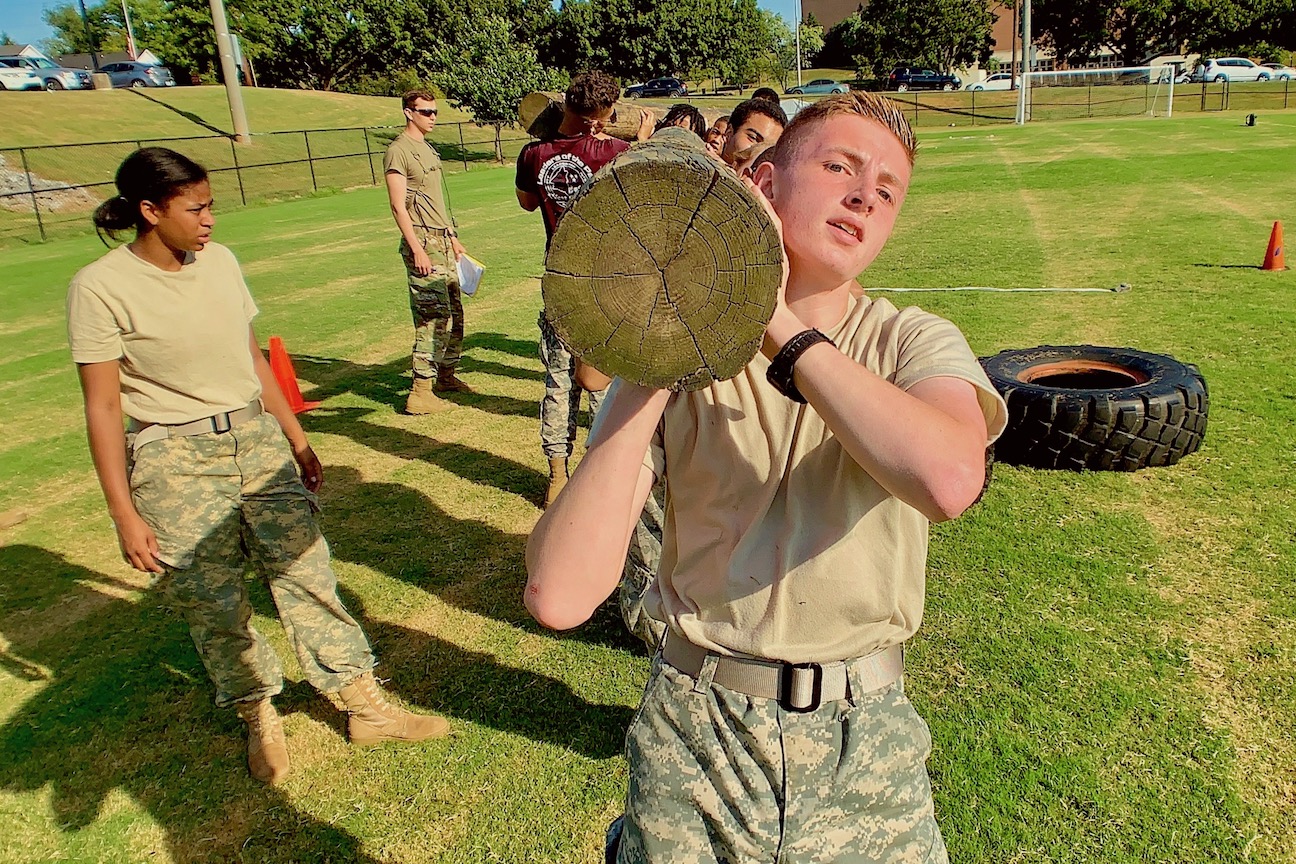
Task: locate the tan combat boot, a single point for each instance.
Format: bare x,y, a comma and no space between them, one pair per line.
557,478
373,720
421,398
267,751
446,382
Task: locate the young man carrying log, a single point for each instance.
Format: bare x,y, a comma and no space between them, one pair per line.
549,174
774,725
754,124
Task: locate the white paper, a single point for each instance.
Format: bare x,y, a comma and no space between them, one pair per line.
470,274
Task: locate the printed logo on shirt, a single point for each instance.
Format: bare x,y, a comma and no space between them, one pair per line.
562,176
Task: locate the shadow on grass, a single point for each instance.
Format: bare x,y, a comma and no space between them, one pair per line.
126,708
389,383
432,673
398,531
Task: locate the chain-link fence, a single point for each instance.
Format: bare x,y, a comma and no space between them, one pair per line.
1092,100
51,191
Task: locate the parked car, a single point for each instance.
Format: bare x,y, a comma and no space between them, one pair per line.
819,85
1279,72
19,79
52,75
669,87
997,81
134,74
904,78
1231,69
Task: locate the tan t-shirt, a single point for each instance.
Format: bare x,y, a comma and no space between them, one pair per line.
777,543
182,338
419,162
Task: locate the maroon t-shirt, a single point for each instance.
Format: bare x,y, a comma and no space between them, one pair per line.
556,169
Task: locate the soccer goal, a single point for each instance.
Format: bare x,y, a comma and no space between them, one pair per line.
1098,92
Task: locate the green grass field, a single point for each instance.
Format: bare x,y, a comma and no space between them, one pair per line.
1108,661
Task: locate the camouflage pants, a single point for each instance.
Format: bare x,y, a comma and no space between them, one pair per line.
437,307
561,401
642,563
218,503
717,776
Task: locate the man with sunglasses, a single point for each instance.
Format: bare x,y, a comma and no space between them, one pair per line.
549,174
430,249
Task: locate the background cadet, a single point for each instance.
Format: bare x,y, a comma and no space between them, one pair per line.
549,174
715,136
684,116
774,724
430,250
208,479
754,122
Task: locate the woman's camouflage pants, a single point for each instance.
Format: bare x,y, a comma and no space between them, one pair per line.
218,502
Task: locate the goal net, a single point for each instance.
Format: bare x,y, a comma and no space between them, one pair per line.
1098,92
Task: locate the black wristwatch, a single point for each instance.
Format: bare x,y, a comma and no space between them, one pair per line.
780,368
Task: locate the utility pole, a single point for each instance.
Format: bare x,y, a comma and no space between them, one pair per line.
1023,95
230,72
130,32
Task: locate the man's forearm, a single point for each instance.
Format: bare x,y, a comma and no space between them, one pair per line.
406,226
930,457
576,551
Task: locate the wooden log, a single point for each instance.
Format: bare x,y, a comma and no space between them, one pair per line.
541,114
665,270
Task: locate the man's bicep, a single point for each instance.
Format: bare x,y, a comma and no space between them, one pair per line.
396,187
956,398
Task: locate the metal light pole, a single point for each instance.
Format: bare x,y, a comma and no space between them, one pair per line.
1023,95
798,40
229,70
90,37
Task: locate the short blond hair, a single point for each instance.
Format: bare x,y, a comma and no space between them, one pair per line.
858,103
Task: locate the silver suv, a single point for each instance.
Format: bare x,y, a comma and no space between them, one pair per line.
52,75
1231,69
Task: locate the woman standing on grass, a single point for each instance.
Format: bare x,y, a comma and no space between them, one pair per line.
204,480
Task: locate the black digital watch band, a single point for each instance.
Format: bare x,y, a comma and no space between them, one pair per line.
780,368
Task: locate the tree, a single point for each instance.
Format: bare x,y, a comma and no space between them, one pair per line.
323,45
487,72
1133,30
784,48
939,34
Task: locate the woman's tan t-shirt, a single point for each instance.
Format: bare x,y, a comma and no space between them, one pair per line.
182,338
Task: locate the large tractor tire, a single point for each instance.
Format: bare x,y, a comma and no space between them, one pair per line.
1086,407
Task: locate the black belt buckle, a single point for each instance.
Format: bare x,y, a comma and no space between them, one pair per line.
787,680
221,423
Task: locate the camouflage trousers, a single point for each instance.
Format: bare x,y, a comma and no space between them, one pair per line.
718,776
218,503
437,306
561,401
643,560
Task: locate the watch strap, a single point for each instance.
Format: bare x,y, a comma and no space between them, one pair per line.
781,367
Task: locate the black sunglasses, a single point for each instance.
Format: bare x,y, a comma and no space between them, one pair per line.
426,112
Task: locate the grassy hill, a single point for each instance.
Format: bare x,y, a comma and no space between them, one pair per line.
78,117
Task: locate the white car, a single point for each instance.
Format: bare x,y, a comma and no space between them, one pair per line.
19,79
997,81
1231,69
1279,72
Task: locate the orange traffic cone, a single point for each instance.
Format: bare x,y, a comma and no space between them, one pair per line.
281,365
1274,258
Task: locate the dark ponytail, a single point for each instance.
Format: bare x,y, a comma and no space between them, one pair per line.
153,174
